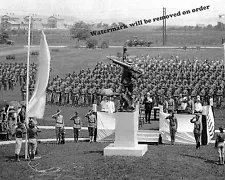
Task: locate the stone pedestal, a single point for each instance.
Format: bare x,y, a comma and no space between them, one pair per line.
126,143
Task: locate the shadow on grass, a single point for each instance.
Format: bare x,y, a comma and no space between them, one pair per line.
202,158
94,152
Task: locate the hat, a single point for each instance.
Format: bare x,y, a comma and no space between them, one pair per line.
221,128
58,111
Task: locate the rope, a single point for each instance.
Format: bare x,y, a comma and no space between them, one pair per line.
44,171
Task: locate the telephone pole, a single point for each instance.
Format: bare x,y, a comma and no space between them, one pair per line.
164,26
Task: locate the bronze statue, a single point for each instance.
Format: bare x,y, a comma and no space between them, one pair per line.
128,73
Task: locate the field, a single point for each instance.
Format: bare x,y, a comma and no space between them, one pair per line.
85,160
146,33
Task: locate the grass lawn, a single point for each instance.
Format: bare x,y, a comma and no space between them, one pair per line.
86,161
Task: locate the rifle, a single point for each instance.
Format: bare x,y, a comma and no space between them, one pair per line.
123,64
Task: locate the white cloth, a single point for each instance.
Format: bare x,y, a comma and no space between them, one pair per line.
110,107
36,106
198,107
104,106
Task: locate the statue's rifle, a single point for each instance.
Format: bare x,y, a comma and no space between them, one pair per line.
123,64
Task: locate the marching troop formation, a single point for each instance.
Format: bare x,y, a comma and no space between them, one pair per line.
164,79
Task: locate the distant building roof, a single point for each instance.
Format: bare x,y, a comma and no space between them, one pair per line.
200,25
14,22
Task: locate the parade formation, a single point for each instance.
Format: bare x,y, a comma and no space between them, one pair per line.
163,79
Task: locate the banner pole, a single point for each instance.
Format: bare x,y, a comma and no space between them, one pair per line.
27,88
224,56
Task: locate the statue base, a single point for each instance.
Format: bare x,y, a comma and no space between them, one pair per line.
126,143
112,150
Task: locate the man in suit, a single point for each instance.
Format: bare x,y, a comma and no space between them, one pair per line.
148,102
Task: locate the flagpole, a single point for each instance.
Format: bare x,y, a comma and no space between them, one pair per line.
224,56
27,88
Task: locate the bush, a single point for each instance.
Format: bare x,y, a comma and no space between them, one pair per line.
104,45
10,57
35,53
91,43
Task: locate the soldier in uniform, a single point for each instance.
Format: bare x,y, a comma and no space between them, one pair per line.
57,95
31,89
77,124
197,129
23,91
202,95
219,95
59,127
173,127
92,124
171,104
66,98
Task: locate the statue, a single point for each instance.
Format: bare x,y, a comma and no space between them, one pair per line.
129,72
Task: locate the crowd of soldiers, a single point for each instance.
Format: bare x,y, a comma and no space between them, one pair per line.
12,74
163,79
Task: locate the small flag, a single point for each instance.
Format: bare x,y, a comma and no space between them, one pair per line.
36,106
210,123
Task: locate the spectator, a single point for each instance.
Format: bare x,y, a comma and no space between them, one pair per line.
92,124
19,131
59,127
148,102
103,103
198,106
219,144
173,127
77,124
197,129
110,106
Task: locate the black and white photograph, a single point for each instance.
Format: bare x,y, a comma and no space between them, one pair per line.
112,89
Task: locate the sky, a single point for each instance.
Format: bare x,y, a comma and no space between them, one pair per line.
119,10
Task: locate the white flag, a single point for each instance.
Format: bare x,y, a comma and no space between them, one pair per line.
36,106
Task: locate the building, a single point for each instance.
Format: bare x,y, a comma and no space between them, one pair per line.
52,22
36,22
56,22
10,22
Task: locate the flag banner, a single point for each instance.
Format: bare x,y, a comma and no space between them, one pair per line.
36,106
